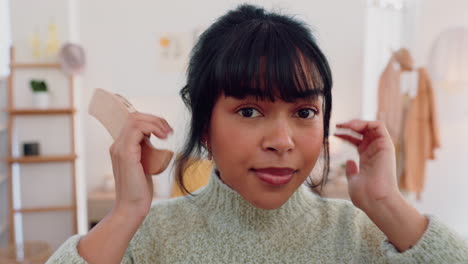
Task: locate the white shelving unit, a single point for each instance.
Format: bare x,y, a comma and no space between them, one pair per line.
14,111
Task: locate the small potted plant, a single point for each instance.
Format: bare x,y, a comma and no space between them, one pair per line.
40,94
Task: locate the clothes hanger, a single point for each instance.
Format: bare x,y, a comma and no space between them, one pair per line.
112,110
404,58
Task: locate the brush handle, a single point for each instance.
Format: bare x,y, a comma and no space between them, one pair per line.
111,110
154,161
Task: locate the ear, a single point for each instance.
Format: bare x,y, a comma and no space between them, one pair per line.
205,137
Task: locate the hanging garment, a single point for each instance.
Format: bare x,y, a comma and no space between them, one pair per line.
400,145
409,88
390,100
421,135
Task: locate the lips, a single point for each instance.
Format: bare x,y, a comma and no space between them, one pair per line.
275,176
276,171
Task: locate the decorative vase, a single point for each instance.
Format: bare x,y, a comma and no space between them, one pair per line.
41,100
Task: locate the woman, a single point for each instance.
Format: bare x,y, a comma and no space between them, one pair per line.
259,90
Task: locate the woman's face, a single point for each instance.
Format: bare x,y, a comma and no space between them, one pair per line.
265,150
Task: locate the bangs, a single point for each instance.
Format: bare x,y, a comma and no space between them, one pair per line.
270,62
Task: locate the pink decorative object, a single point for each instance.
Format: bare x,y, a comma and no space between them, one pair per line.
72,59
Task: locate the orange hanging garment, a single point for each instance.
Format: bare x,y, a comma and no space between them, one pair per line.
421,135
390,101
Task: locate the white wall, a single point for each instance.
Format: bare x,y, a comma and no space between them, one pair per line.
4,59
4,195
445,194
5,37
121,42
383,36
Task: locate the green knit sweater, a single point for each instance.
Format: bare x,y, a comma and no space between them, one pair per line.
219,226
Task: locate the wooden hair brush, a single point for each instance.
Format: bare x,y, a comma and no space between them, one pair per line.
112,110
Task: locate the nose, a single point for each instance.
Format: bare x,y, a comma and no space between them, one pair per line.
278,138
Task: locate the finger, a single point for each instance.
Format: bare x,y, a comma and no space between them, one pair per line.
136,132
369,129
167,125
379,145
361,126
351,169
149,128
161,122
360,144
355,141
154,120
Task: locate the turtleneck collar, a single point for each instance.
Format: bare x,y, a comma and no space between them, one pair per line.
223,206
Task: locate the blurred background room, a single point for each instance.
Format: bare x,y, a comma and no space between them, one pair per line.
401,61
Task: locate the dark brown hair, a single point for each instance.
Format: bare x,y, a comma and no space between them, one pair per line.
246,52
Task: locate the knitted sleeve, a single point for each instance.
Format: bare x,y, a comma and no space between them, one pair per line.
68,253
438,244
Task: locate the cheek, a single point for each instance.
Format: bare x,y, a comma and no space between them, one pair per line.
231,141
310,144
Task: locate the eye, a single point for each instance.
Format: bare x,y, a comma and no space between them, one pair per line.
248,112
306,113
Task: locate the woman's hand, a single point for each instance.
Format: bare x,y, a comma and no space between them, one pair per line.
373,185
134,189
374,179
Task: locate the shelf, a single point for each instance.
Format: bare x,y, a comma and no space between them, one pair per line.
13,111
35,65
32,111
45,209
3,178
41,159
